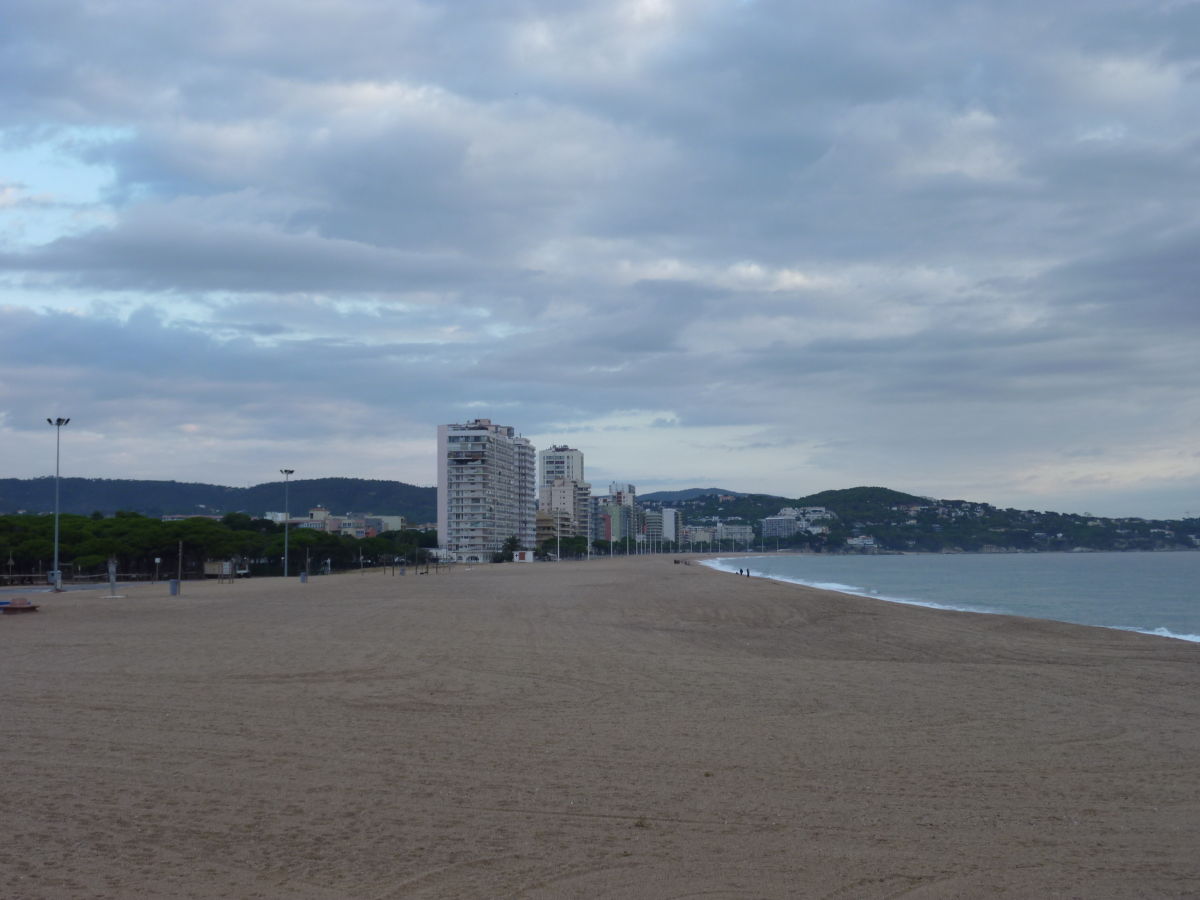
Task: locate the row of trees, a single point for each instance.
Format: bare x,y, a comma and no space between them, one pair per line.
86,543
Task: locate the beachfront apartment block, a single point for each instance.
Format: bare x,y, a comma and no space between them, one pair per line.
486,480
553,525
671,524
562,489
570,497
790,521
560,461
735,531
652,525
780,526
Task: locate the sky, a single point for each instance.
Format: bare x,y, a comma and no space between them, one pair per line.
950,248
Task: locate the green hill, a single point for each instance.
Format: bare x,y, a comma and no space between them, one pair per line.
848,503
861,502
666,498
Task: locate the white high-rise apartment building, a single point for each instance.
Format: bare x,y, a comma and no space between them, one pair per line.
486,478
561,461
670,527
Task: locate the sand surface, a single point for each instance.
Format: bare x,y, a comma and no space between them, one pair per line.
613,729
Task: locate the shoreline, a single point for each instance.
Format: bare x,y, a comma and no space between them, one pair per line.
627,729
851,591
712,561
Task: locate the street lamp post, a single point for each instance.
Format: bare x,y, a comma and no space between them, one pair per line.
287,515
58,425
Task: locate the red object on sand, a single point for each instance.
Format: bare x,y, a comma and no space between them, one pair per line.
18,605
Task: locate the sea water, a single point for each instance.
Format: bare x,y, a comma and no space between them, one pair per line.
1155,593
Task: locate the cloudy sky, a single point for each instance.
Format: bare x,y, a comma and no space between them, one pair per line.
948,247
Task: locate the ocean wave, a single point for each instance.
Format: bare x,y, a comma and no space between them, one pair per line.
1160,632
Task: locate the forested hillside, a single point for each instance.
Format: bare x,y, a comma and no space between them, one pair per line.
156,498
848,503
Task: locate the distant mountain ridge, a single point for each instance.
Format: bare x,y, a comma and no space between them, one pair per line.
895,519
847,503
888,520
156,498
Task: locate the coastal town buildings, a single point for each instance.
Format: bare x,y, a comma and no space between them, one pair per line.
616,516
698,534
486,480
611,521
622,492
357,525
562,489
737,532
790,521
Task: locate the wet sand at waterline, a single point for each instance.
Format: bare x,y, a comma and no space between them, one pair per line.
625,728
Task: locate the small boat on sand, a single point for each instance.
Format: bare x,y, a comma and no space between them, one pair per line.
18,605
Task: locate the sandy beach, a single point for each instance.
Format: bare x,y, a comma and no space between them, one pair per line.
624,728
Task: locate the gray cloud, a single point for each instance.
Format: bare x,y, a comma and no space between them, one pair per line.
949,246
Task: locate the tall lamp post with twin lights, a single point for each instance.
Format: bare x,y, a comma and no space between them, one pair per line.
56,574
286,473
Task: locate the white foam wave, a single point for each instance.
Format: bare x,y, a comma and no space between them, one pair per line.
829,586
723,565
1161,632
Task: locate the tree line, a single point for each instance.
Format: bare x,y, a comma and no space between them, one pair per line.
86,543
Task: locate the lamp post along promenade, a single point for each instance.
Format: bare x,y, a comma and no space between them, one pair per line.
56,573
287,515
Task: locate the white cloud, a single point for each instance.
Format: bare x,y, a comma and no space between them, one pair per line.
1128,83
970,145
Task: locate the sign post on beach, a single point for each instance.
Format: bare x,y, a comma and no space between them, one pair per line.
112,578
